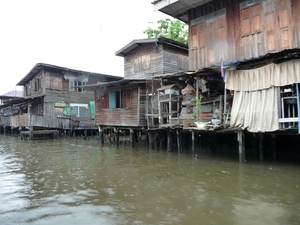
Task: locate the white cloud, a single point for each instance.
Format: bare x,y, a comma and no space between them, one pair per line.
78,34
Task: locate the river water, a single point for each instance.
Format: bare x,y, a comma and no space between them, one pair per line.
76,181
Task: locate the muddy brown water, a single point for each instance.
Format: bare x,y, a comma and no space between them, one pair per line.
76,181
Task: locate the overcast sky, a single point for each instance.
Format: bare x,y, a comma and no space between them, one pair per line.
78,34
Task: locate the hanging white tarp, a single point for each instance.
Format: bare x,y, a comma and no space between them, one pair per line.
255,110
264,77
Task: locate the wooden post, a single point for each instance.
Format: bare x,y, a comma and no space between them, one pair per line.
274,149
224,106
260,147
131,137
241,140
168,140
178,140
193,143
116,131
155,140
151,141
101,135
161,139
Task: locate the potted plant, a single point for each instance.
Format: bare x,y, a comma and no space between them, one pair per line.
197,113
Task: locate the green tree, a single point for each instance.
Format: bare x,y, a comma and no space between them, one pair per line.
172,29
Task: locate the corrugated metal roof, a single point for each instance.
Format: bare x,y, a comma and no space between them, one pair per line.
166,87
118,83
12,94
162,40
275,57
177,8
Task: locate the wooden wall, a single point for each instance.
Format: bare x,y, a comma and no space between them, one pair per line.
174,60
143,61
149,59
237,30
68,97
133,116
31,89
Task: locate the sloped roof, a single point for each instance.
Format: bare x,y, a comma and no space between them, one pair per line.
35,70
12,94
161,40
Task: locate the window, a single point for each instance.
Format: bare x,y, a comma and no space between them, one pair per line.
126,99
40,109
76,85
120,99
114,99
79,110
104,101
37,84
206,31
250,17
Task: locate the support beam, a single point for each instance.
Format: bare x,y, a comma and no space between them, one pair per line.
101,134
274,149
193,143
169,138
178,140
260,147
298,106
241,140
131,137
151,140
117,138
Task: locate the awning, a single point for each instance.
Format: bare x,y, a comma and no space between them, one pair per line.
264,77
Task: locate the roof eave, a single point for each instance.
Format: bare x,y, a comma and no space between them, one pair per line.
135,43
177,8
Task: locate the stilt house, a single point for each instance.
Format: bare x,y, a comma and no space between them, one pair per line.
53,98
124,104
254,47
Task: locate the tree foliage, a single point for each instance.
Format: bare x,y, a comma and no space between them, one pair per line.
172,29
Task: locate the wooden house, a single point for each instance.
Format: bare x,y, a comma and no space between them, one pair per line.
254,46
129,103
53,98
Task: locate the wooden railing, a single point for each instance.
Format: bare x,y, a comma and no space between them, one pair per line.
27,120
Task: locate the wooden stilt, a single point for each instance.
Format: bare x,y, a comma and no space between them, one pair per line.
260,147
116,130
168,140
274,149
178,141
101,135
151,141
155,137
131,137
193,143
161,140
241,140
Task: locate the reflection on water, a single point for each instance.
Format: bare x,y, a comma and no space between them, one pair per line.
74,181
